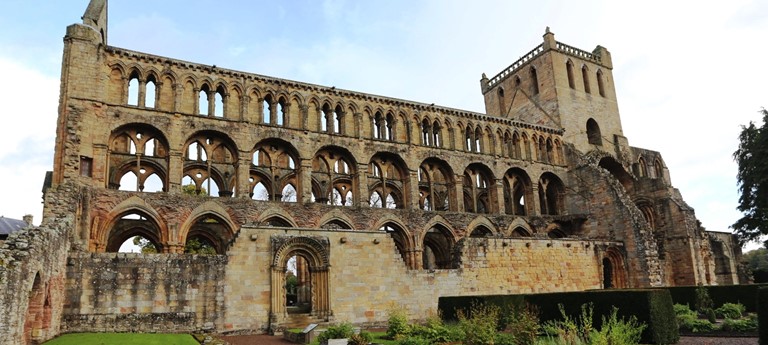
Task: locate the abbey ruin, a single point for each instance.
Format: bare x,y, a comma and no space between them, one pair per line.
371,200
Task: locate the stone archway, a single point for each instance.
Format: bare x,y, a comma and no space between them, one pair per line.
315,253
614,270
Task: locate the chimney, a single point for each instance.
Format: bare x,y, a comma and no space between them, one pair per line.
27,219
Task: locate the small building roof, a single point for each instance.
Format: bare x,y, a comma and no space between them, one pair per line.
8,225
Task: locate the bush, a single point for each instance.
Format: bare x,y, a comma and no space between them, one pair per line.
522,321
742,325
479,324
651,306
683,309
507,339
615,331
398,327
731,311
720,294
340,331
691,323
703,301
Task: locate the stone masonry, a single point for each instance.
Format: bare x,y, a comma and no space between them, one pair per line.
270,203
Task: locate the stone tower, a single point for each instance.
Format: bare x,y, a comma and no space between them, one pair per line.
556,85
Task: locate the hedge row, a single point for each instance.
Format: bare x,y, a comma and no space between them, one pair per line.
744,294
651,306
762,314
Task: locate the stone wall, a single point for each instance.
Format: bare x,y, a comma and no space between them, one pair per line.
32,272
132,292
367,277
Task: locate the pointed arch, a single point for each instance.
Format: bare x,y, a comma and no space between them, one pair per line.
335,215
483,226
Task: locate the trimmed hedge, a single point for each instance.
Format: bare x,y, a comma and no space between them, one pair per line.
651,306
720,294
762,314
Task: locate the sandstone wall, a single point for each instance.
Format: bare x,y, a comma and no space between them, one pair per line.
366,278
131,292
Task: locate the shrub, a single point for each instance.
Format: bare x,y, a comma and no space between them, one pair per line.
341,331
414,341
683,309
615,331
398,327
479,324
731,311
508,339
523,322
691,323
703,301
741,325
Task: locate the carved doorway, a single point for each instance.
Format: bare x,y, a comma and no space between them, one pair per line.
310,293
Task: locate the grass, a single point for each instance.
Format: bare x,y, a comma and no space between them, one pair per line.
123,339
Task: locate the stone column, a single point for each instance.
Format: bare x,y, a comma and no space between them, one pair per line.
458,192
498,194
175,171
362,198
305,181
142,94
242,183
412,190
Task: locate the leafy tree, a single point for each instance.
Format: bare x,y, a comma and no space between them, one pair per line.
752,157
191,189
196,245
146,246
757,261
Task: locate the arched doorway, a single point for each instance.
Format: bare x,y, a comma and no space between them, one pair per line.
310,255
614,272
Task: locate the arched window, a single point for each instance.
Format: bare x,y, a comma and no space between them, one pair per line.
333,177
133,89
600,85
218,102
379,125
480,232
266,109
389,128
426,132
469,139
122,236
210,165
551,194
338,119
438,248
658,169
138,159
436,135
209,235
534,82
282,113
402,242
478,140
502,109
151,92
585,78
642,167
569,71
517,192
325,115
593,133
435,185
386,185
273,172
202,101
477,189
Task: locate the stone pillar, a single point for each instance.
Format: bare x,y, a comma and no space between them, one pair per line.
142,94
175,171
211,103
458,192
100,164
361,195
412,190
305,181
358,119
242,182
498,194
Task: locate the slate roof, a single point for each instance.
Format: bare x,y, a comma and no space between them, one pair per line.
8,225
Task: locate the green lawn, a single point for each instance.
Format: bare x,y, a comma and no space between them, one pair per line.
123,339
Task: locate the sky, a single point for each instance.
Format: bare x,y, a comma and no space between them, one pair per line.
688,74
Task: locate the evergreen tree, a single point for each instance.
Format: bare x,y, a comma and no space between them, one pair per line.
752,157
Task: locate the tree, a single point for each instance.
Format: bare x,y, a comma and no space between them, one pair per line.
146,246
757,261
752,177
191,189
